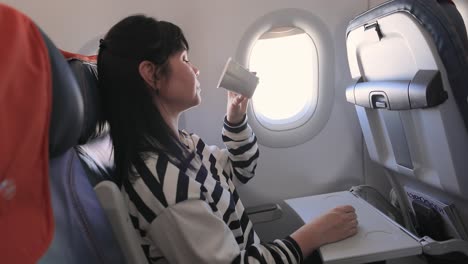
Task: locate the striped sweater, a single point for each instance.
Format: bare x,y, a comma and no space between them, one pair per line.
195,215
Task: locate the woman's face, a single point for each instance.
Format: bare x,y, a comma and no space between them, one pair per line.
180,89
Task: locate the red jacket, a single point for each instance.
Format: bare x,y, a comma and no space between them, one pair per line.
26,219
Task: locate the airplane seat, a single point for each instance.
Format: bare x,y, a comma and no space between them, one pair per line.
95,153
79,230
410,93
82,231
94,145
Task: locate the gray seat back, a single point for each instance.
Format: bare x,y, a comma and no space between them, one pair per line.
82,231
410,67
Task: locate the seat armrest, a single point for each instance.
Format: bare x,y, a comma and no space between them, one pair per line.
116,210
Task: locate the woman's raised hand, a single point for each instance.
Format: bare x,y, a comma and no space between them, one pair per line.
236,107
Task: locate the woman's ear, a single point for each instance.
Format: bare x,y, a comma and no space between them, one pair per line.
147,71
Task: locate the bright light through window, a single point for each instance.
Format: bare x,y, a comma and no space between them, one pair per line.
285,66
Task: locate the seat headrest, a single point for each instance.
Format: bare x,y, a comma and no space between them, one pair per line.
86,74
67,103
440,27
95,150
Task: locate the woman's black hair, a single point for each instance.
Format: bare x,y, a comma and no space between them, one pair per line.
136,125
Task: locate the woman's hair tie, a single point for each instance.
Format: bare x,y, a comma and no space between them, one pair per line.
102,44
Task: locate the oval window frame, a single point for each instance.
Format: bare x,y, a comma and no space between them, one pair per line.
318,32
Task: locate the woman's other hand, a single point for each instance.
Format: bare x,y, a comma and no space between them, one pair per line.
337,224
236,107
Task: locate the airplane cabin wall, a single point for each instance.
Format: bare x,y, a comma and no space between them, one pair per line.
331,161
374,3
72,25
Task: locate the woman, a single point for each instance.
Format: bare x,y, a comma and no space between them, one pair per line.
181,192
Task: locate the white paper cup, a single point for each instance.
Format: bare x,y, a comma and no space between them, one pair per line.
238,79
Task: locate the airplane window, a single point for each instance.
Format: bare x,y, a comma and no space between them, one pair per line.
285,60
292,52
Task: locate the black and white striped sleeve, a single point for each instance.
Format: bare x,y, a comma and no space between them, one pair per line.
243,152
189,232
